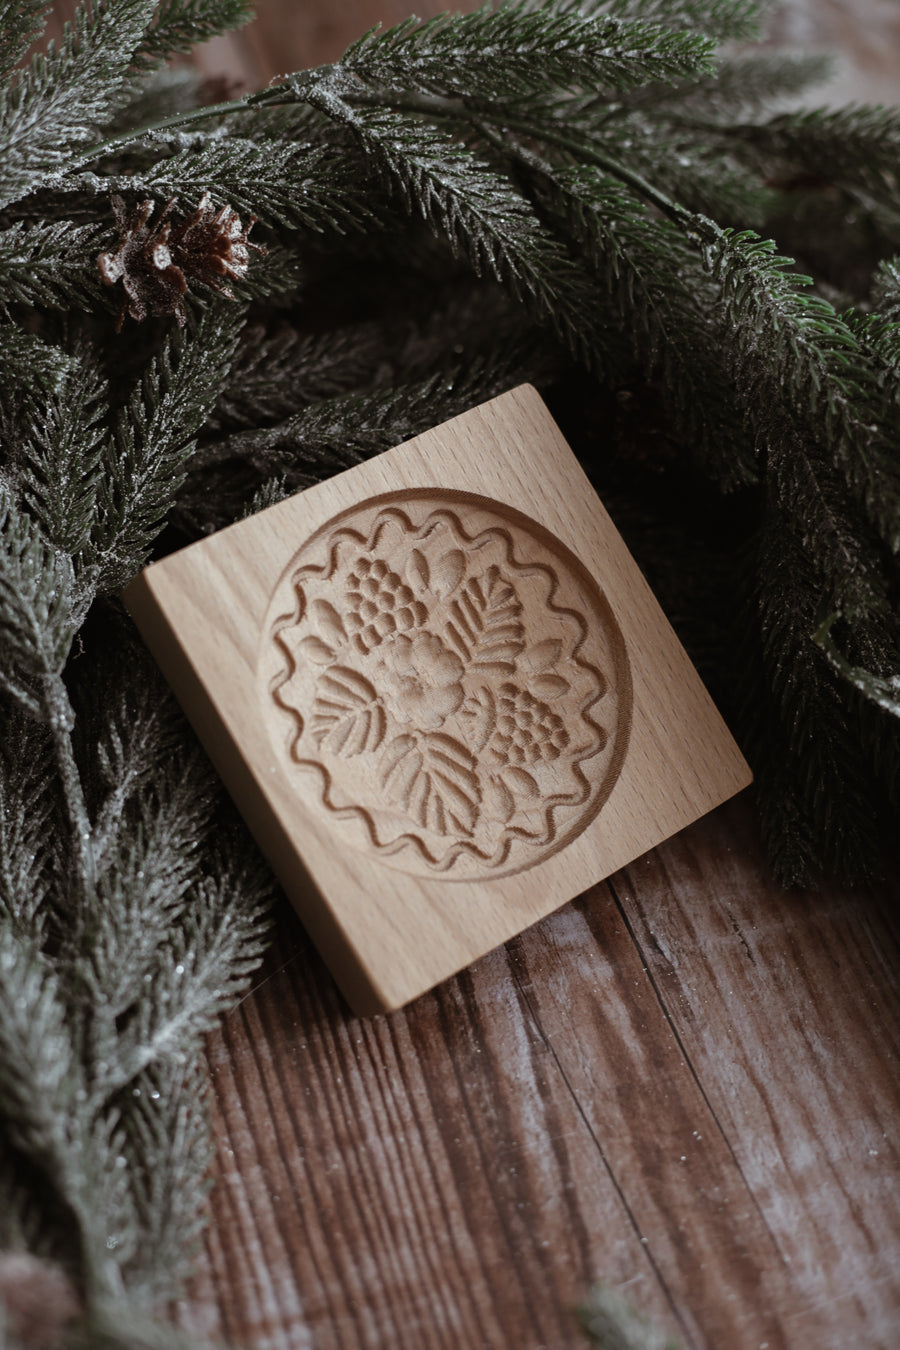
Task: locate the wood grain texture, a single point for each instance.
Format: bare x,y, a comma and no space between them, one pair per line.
441,694
684,1082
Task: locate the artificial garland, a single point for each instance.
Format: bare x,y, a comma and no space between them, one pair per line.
576,194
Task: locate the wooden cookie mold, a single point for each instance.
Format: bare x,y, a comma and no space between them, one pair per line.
441,694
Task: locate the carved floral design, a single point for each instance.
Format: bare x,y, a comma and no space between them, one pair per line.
441,691
422,679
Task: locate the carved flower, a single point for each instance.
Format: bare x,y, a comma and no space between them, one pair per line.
423,680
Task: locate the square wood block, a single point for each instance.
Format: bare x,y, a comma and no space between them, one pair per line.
441,694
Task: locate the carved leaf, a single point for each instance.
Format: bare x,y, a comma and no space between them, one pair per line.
347,718
522,783
434,779
328,621
418,569
317,651
448,572
479,714
550,686
499,802
541,655
485,624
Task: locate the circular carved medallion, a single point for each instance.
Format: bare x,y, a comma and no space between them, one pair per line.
448,682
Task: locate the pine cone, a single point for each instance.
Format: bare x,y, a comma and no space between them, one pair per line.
153,283
379,603
527,730
154,262
213,244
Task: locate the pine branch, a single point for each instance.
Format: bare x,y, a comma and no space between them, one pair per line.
881,690
275,375
21,23
28,366
41,609
820,743
147,870
60,457
179,25
810,365
735,19
53,263
284,183
41,1084
155,439
886,290
28,817
663,302
856,147
168,1122
480,215
335,433
60,100
740,85
197,976
516,50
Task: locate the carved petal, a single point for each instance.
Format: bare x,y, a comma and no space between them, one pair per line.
418,569
317,651
550,686
541,655
448,572
522,783
499,803
328,621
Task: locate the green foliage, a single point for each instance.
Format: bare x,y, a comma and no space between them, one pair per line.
153,441
719,19
572,193
21,21
518,50
61,99
179,25
300,186
52,264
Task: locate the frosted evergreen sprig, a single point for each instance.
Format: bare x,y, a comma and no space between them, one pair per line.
533,190
153,442
519,49
51,264
58,101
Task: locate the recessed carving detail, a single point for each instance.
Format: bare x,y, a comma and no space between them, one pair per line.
448,681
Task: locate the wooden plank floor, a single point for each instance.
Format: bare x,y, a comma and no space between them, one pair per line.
685,1082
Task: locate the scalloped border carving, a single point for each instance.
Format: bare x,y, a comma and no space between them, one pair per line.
394,625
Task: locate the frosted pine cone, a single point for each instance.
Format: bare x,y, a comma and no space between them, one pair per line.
379,603
153,282
527,730
153,262
212,244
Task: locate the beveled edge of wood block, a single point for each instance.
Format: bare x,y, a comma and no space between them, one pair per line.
351,974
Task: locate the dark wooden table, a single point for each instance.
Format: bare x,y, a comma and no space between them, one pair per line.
684,1083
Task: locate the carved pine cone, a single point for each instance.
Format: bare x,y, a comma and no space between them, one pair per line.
527,730
379,603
